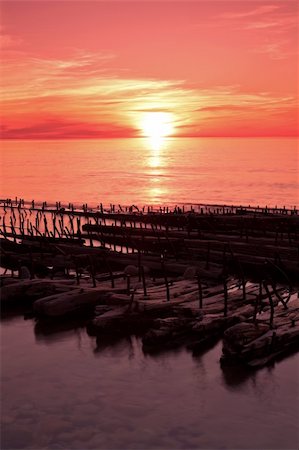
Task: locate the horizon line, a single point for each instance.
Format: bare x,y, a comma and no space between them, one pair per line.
76,138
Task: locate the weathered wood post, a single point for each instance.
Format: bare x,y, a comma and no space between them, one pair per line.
257,301
92,271
58,232
72,225
77,271
46,227
272,343
22,227
131,300
89,234
54,225
165,277
225,296
31,229
208,256
68,233
143,281
78,227
128,284
271,304
12,228
224,258
199,291
139,265
4,231
114,232
243,281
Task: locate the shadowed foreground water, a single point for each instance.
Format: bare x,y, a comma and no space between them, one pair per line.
62,389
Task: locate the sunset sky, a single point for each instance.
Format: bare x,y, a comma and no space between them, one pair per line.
73,69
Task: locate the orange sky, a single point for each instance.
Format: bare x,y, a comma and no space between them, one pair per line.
76,69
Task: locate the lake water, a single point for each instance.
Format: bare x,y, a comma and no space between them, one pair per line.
251,171
65,390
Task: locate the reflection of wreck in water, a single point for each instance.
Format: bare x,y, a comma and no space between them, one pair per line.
50,331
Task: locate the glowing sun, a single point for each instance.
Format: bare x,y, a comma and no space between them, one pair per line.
156,126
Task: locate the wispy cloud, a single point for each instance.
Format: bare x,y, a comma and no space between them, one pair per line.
274,50
280,23
273,25
276,18
260,10
81,97
66,129
8,41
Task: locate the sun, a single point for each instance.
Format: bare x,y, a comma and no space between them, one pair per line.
156,126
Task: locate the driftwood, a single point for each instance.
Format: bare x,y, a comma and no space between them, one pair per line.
31,290
256,344
68,302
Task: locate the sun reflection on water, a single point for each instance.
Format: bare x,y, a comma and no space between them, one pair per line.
156,143
157,150
156,160
156,193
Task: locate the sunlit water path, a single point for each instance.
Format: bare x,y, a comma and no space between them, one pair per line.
135,171
64,390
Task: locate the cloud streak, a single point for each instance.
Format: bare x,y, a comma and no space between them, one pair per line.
209,70
260,10
76,97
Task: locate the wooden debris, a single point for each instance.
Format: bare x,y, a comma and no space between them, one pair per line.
256,344
178,275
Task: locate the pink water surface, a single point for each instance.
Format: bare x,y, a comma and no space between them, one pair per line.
255,171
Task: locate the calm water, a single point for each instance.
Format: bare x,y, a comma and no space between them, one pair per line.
66,391
233,171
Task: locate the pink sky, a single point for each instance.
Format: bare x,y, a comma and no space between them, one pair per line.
89,69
